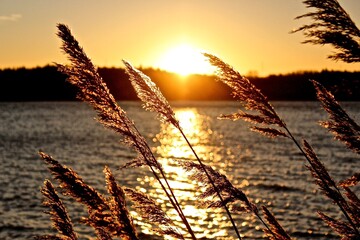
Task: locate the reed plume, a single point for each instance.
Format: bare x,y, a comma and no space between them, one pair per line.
344,128
92,89
332,25
354,204
228,192
153,100
119,211
232,195
276,231
352,181
342,228
107,217
152,213
329,188
318,170
73,185
150,95
59,217
252,99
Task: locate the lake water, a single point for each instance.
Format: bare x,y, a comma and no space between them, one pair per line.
271,172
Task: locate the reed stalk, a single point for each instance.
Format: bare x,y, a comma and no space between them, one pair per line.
213,184
92,89
110,217
153,100
252,99
325,183
171,196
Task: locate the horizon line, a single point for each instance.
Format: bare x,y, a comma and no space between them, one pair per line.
251,73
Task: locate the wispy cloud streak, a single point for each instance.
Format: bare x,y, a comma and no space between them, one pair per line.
10,18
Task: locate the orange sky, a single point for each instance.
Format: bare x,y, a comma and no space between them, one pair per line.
250,35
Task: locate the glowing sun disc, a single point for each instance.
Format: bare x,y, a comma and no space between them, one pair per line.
185,60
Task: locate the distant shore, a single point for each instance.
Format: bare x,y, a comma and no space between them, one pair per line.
47,84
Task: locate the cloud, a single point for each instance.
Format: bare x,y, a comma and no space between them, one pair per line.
12,17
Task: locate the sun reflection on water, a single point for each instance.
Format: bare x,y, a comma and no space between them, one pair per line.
206,223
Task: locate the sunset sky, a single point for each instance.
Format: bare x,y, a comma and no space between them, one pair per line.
251,35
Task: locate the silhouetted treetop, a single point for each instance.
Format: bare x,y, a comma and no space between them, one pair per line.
47,84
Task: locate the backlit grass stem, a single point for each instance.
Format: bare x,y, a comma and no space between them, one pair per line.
153,100
213,185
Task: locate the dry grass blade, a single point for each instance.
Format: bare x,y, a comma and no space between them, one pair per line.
73,185
249,96
354,205
121,216
352,181
319,171
135,163
340,124
332,25
58,213
344,230
354,199
149,210
248,117
269,132
277,232
151,96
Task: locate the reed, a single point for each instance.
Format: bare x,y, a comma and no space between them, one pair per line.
332,25
59,216
344,128
109,216
153,100
92,89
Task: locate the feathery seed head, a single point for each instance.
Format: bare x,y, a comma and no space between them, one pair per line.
332,25
151,96
59,217
343,127
250,97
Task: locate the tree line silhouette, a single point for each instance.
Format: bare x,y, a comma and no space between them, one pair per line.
47,84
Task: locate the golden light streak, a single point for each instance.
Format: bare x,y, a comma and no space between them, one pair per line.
205,222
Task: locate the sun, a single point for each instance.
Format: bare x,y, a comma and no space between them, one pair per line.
184,60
